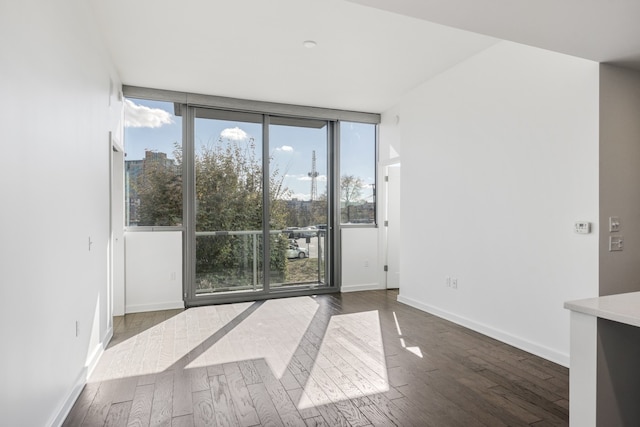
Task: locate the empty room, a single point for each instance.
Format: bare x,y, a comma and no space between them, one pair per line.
303,212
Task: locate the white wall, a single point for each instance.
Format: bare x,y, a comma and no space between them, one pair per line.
153,271
55,118
499,159
360,259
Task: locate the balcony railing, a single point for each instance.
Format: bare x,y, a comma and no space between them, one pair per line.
225,263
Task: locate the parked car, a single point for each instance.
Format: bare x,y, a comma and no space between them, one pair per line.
292,232
296,252
310,231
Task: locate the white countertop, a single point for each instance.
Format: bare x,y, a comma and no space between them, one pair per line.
623,308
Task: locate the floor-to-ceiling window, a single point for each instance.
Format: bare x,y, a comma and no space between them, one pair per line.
256,194
229,210
299,210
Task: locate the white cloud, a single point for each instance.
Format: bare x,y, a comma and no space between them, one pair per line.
285,148
234,134
320,178
140,116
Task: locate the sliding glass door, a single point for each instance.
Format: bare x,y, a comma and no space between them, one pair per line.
260,213
228,202
298,166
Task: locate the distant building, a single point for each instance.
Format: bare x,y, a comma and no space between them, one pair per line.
134,175
299,204
363,213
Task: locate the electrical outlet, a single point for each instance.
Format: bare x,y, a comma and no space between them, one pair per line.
447,281
454,282
366,263
616,243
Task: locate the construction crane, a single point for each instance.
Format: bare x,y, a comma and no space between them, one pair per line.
313,175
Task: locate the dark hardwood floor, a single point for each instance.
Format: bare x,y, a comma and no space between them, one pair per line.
356,359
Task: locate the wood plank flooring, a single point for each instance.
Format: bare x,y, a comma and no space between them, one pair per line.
358,359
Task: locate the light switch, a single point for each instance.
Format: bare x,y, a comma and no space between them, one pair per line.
614,224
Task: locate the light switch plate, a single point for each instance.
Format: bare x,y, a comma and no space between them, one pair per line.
614,224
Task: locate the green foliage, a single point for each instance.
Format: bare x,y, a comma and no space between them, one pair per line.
159,188
229,197
228,187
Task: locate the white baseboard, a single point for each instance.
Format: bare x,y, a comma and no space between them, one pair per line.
94,357
141,308
71,398
528,346
81,380
363,287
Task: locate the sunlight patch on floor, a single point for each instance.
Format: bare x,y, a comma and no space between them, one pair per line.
413,349
213,335
272,332
350,362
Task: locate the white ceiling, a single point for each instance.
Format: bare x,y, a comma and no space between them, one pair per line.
366,58
599,30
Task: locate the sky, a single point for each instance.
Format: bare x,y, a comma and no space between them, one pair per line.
152,125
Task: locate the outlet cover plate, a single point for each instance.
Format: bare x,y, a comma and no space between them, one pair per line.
616,243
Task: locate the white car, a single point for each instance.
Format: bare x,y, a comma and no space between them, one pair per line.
297,252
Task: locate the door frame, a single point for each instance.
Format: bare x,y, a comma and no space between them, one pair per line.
395,163
116,280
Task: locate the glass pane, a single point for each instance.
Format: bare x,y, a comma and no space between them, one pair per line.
228,187
298,217
153,164
357,173
229,262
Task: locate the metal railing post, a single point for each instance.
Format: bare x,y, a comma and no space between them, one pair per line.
255,261
319,254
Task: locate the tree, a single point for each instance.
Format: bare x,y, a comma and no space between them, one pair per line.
159,190
319,209
229,197
350,192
